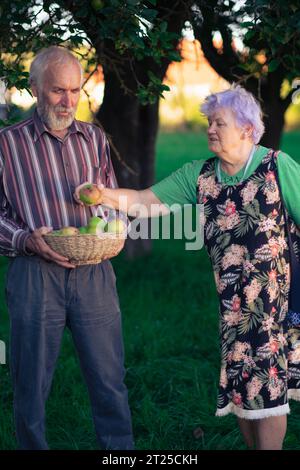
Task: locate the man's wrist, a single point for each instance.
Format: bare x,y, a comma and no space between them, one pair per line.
20,240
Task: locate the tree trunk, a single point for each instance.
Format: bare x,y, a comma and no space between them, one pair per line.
132,130
273,107
274,124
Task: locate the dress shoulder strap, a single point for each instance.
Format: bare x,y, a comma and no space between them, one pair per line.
208,166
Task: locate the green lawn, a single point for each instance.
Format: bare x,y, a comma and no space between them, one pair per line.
170,324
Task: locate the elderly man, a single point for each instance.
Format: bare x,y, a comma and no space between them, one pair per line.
42,160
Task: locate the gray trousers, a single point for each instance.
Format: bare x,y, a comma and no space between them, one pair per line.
43,298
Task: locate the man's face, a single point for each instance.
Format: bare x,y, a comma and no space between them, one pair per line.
58,95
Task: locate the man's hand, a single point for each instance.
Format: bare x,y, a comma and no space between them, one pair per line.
76,194
37,244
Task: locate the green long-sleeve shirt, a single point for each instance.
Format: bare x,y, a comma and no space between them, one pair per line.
180,186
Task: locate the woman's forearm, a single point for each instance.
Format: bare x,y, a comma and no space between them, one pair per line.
125,200
141,203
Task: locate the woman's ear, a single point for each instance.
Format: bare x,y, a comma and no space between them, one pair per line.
247,131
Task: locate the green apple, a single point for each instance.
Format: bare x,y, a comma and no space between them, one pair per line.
92,230
97,4
90,194
68,231
115,226
94,221
83,230
97,222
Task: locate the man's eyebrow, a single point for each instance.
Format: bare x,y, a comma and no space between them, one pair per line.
61,88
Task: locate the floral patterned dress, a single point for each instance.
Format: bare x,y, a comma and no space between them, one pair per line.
244,232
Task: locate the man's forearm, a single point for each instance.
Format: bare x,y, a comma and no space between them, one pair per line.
12,238
13,234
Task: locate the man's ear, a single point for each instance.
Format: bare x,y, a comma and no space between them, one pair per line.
33,89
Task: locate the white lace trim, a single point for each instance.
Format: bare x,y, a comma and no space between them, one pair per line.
254,414
294,394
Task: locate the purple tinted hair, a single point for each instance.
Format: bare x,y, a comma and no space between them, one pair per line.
242,103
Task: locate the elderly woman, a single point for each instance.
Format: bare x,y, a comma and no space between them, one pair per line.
245,236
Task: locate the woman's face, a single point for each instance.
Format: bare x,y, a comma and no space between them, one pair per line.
224,136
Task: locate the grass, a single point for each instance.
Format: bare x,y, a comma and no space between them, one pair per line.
170,323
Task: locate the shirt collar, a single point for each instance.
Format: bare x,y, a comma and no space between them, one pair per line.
222,176
40,128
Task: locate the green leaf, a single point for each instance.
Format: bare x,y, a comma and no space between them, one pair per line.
231,336
149,14
246,24
174,56
250,34
273,65
163,26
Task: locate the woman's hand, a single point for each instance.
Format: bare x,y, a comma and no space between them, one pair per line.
94,193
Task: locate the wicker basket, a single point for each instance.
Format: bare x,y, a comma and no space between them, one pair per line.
86,249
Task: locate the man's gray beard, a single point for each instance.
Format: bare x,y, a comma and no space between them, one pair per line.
47,114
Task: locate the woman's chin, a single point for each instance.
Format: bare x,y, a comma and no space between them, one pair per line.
213,147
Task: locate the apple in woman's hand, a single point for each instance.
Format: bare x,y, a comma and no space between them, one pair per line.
90,194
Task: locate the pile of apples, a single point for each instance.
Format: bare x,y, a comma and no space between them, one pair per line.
95,226
90,195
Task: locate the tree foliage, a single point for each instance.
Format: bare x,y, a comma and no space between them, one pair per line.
270,31
135,41
123,33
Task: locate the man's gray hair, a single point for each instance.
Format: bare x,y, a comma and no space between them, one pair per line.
47,58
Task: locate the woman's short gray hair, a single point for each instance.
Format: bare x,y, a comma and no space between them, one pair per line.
242,103
53,55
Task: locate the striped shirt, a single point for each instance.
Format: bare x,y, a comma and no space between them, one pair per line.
39,173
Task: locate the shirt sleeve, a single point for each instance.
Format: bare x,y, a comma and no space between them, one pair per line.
289,179
180,186
12,237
